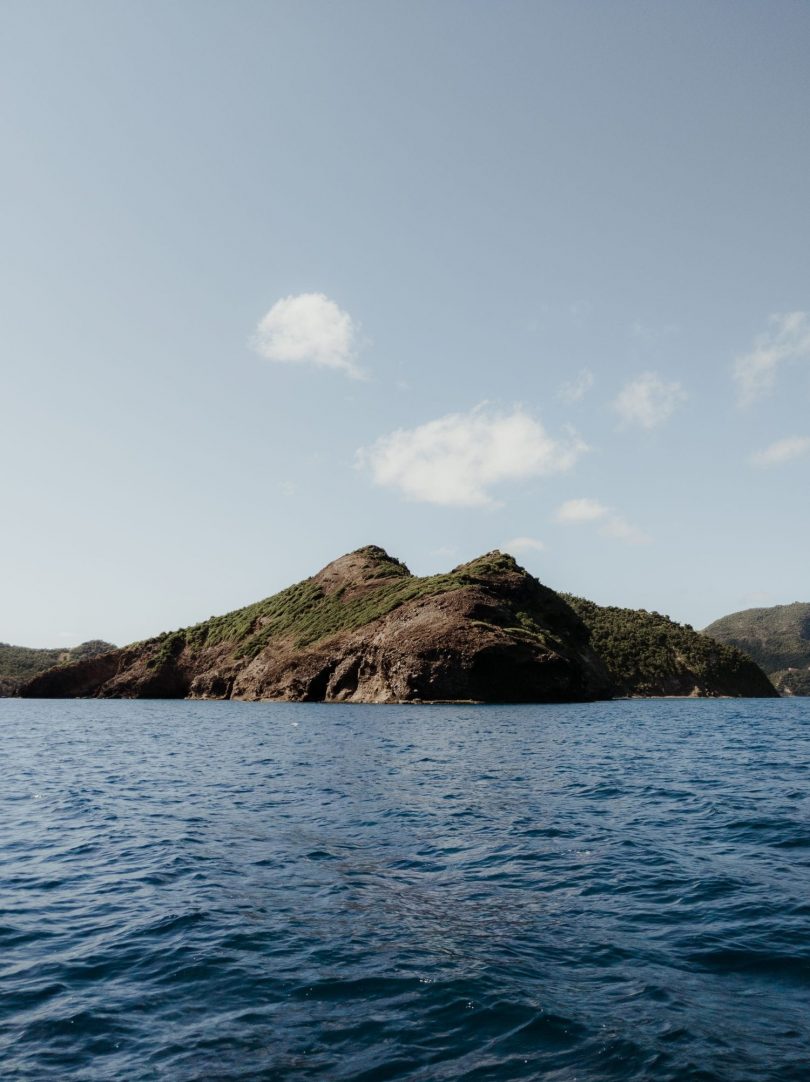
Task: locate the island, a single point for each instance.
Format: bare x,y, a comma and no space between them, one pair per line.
364,629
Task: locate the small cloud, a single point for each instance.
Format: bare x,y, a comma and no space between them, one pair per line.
576,388
648,334
456,460
444,550
573,512
782,451
622,530
288,488
309,328
755,372
523,544
583,511
648,400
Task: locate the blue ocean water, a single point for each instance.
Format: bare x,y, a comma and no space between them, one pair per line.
271,891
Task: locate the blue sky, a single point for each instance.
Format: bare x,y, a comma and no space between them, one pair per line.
283,279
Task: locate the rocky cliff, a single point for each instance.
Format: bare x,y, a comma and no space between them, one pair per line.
364,630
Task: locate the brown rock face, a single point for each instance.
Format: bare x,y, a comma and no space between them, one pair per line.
365,630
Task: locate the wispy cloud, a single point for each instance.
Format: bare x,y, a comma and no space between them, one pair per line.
648,334
523,544
309,328
648,400
787,340
585,511
456,460
621,530
782,451
577,388
572,512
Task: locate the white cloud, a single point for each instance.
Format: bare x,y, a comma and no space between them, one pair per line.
309,328
456,460
573,512
789,340
576,388
622,530
645,332
523,544
782,451
648,400
583,511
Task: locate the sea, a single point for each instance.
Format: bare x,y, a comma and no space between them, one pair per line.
233,891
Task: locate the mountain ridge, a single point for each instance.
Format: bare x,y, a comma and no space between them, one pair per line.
364,629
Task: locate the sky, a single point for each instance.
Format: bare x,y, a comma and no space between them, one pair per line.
281,279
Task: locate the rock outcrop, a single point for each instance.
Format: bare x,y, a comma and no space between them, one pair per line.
365,630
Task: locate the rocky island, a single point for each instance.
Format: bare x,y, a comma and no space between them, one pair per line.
364,629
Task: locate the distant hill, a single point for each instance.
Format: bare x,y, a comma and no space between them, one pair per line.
364,629
20,663
648,654
777,638
791,681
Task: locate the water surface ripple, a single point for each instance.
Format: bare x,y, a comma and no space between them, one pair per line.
270,891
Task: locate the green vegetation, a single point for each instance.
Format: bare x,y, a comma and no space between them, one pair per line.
306,613
792,681
89,649
647,653
777,638
22,662
18,662
385,566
